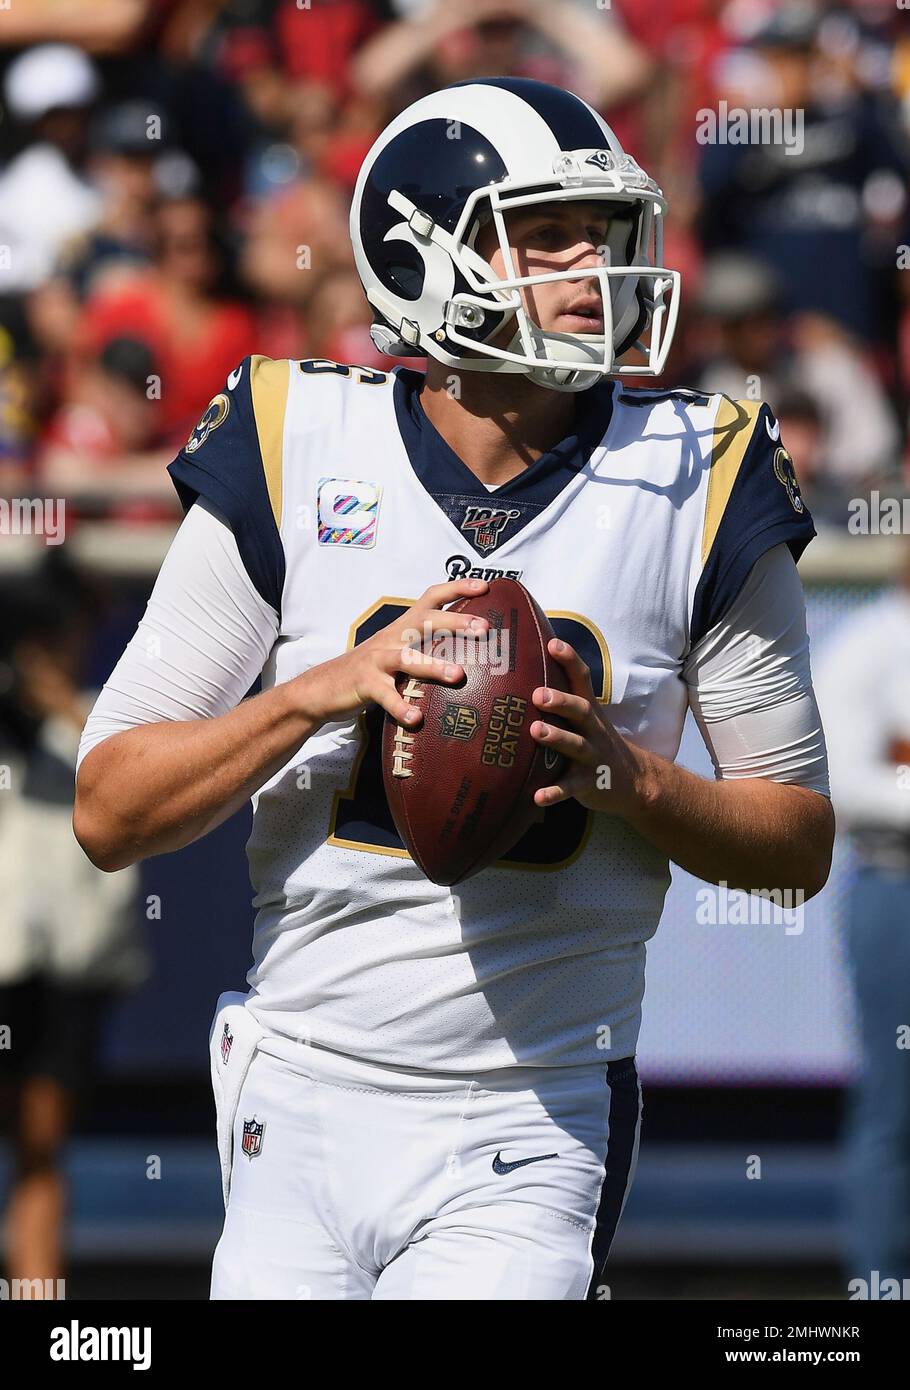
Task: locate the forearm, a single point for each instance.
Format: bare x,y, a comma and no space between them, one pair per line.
102,29
750,833
613,63
397,50
160,784
158,787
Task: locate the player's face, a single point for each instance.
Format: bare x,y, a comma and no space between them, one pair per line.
553,237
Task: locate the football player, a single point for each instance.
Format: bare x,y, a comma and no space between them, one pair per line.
430,1094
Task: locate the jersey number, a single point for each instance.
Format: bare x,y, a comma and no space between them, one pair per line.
361,818
364,376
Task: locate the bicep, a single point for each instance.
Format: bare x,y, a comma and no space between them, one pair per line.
203,640
750,682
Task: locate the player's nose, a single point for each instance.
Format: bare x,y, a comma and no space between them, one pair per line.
586,252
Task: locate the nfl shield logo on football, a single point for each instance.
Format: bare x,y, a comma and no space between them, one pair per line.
252,1137
227,1039
459,721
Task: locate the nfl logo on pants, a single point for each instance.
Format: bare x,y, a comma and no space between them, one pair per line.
252,1137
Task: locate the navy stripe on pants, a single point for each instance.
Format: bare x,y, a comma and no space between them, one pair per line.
625,1111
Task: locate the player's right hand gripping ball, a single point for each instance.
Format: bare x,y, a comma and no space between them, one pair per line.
461,785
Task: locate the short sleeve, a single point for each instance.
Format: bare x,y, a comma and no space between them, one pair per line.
753,503
233,459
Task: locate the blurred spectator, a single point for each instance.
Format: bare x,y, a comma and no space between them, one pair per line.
293,239
824,208
105,28
196,333
18,396
127,145
127,149
251,61
46,196
265,108
861,434
757,353
739,301
338,322
554,40
901,69
801,431
68,940
863,687
333,139
100,445
318,41
190,73
685,41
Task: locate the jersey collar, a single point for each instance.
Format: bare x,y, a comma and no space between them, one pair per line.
488,519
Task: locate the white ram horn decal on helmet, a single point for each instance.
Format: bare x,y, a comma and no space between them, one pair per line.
438,284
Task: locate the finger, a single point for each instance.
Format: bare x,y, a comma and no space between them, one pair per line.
439,594
565,741
421,666
571,783
440,620
579,674
559,702
404,711
551,796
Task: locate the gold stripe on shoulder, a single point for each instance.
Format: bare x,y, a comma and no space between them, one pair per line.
269,388
733,430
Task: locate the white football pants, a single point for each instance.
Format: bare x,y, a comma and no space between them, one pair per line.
344,1179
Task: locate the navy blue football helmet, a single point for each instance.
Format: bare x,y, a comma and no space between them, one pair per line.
469,154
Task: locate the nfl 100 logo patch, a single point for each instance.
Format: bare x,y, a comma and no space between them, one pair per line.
347,511
251,1143
488,525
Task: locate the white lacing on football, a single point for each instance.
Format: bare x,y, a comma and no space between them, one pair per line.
401,748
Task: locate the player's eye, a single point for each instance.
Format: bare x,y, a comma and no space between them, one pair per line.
549,235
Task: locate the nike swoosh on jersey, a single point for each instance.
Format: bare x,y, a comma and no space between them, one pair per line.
773,434
500,1167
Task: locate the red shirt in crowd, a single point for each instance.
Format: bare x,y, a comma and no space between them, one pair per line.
193,368
317,42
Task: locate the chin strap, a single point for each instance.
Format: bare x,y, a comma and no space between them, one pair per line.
571,354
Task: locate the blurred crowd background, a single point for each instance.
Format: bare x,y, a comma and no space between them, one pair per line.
175,180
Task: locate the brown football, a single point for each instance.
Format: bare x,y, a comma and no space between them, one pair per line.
461,785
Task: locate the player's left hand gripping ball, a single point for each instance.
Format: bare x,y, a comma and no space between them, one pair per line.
461,784
601,769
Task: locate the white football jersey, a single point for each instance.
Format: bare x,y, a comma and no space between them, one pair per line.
634,535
